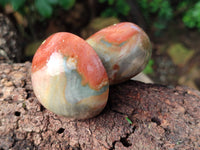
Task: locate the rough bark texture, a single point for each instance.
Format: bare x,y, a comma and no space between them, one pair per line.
162,118
9,41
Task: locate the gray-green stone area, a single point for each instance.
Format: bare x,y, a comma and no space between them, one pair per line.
75,91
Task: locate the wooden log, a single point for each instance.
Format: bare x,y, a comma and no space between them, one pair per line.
137,116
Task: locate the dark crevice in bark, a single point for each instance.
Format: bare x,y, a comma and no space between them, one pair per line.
124,140
17,113
156,120
60,130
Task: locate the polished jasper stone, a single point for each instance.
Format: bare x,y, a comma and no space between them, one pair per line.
68,77
124,49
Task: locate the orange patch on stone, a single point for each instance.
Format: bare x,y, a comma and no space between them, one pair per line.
118,33
89,65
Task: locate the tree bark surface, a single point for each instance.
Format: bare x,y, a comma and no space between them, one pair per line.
137,116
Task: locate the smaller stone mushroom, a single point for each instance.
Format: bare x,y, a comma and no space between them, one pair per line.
69,78
124,49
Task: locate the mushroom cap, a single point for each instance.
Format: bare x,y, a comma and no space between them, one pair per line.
68,77
124,50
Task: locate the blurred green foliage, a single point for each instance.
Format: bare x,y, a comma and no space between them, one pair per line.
192,16
115,8
157,13
161,9
161,12
149,67
43,7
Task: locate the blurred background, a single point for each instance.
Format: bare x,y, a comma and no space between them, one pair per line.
172,25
